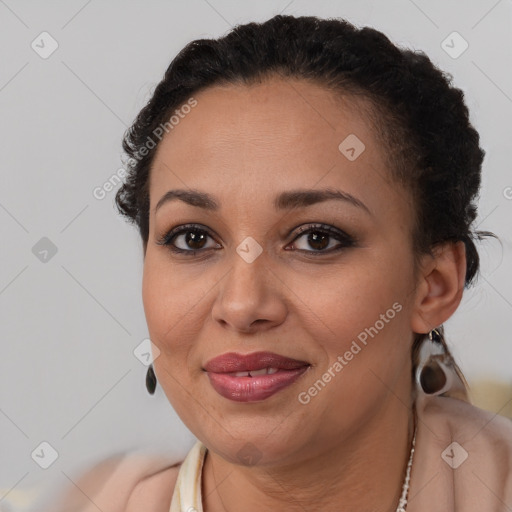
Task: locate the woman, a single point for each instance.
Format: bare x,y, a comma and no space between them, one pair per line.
305,193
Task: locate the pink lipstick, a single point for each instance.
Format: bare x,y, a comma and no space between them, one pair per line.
252,377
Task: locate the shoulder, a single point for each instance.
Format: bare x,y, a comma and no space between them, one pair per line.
125,483
466,452
462,420
154,492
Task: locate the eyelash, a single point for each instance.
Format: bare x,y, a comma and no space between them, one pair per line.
344,239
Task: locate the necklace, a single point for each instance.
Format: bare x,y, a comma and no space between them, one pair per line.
402,504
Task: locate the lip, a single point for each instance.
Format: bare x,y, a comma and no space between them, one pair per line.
221,370
234,362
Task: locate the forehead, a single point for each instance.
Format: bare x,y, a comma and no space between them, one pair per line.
273,114
270,136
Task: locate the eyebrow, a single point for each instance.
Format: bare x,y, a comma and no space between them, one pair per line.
284,201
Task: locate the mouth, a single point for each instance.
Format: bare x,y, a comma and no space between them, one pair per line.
252,377
233,363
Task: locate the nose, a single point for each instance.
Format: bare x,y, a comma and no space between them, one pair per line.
251,297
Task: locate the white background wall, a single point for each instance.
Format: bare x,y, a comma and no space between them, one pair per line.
69,326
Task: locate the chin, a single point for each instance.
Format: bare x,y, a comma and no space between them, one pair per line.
254,441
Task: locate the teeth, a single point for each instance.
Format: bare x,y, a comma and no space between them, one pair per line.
263,371
255,373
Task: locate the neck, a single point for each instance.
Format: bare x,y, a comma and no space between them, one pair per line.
365,472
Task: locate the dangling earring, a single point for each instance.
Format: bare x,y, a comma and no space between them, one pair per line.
434,375
151,380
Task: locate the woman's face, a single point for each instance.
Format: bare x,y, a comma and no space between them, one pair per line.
247,281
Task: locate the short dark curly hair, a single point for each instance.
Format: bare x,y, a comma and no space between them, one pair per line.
417,114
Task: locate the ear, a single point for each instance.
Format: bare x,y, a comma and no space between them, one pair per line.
440,286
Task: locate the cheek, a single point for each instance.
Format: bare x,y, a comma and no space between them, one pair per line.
172,300
359,314
165,308
153,298
161,300
351,297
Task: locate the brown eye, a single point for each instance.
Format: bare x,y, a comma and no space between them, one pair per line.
318,240
187,239
322,239
194,239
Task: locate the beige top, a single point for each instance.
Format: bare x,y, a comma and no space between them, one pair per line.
187,492
462,463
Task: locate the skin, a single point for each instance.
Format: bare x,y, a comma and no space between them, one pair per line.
351,442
